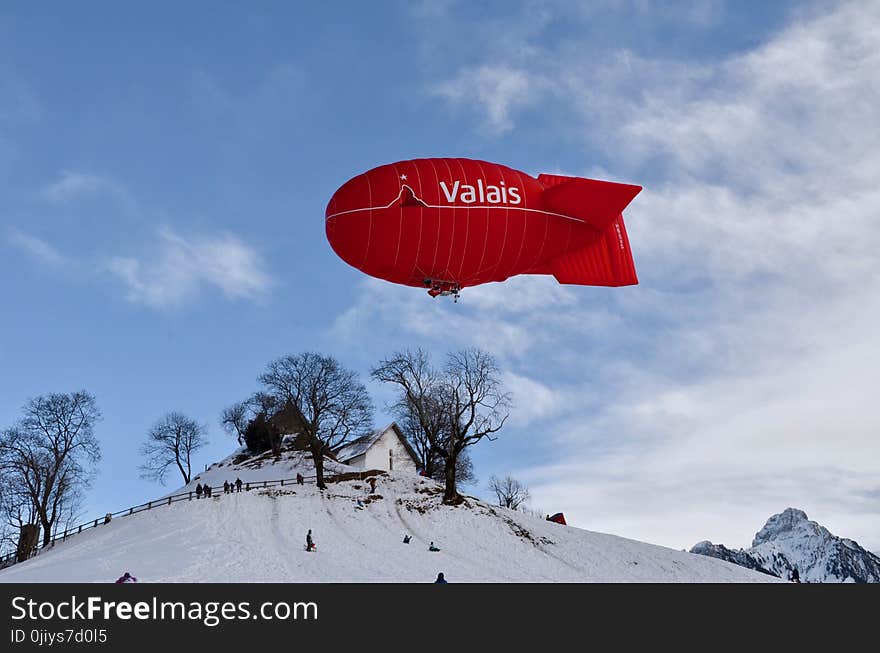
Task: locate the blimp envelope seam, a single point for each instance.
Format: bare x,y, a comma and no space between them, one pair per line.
439,230
450,206
421,221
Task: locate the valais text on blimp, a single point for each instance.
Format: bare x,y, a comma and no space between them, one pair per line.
489,193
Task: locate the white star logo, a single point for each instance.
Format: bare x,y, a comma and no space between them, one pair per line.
403,177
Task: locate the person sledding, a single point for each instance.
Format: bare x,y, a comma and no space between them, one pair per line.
126,578
310,543
431,547
406,539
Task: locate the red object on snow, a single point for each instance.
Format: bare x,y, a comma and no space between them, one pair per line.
446,224
559,518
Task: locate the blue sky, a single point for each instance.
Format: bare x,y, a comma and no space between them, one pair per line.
164,172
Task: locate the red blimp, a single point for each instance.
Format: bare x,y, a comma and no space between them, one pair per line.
446,224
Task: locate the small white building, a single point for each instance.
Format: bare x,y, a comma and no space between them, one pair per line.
385,449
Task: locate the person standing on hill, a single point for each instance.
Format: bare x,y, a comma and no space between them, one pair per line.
198,491
310,543
238,485
225,487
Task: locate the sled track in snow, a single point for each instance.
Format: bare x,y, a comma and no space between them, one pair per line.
281,539
418,535
409,528
342,527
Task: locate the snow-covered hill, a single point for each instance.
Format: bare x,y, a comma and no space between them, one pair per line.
789,540
258,536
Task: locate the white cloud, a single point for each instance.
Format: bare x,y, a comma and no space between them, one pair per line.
176,269
736,379
74,185
511,320
701,14
37,248
180,268
535,402
785,429
498,90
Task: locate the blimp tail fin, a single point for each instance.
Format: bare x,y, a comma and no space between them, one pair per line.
595,202
607,261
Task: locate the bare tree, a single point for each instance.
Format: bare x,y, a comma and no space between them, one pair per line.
478,406
509,492
420,412
7,537
235,419
331,404
453,408
171,442
48,459
265,430
20,526
429,459
253,422
533,511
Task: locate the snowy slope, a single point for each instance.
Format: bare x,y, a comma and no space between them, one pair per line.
258,536
790,540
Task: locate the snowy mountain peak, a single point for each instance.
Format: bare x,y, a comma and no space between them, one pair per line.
789,541
789,521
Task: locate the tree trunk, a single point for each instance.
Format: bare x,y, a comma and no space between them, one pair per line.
47,532
183,472
451,494
28,537
318,459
